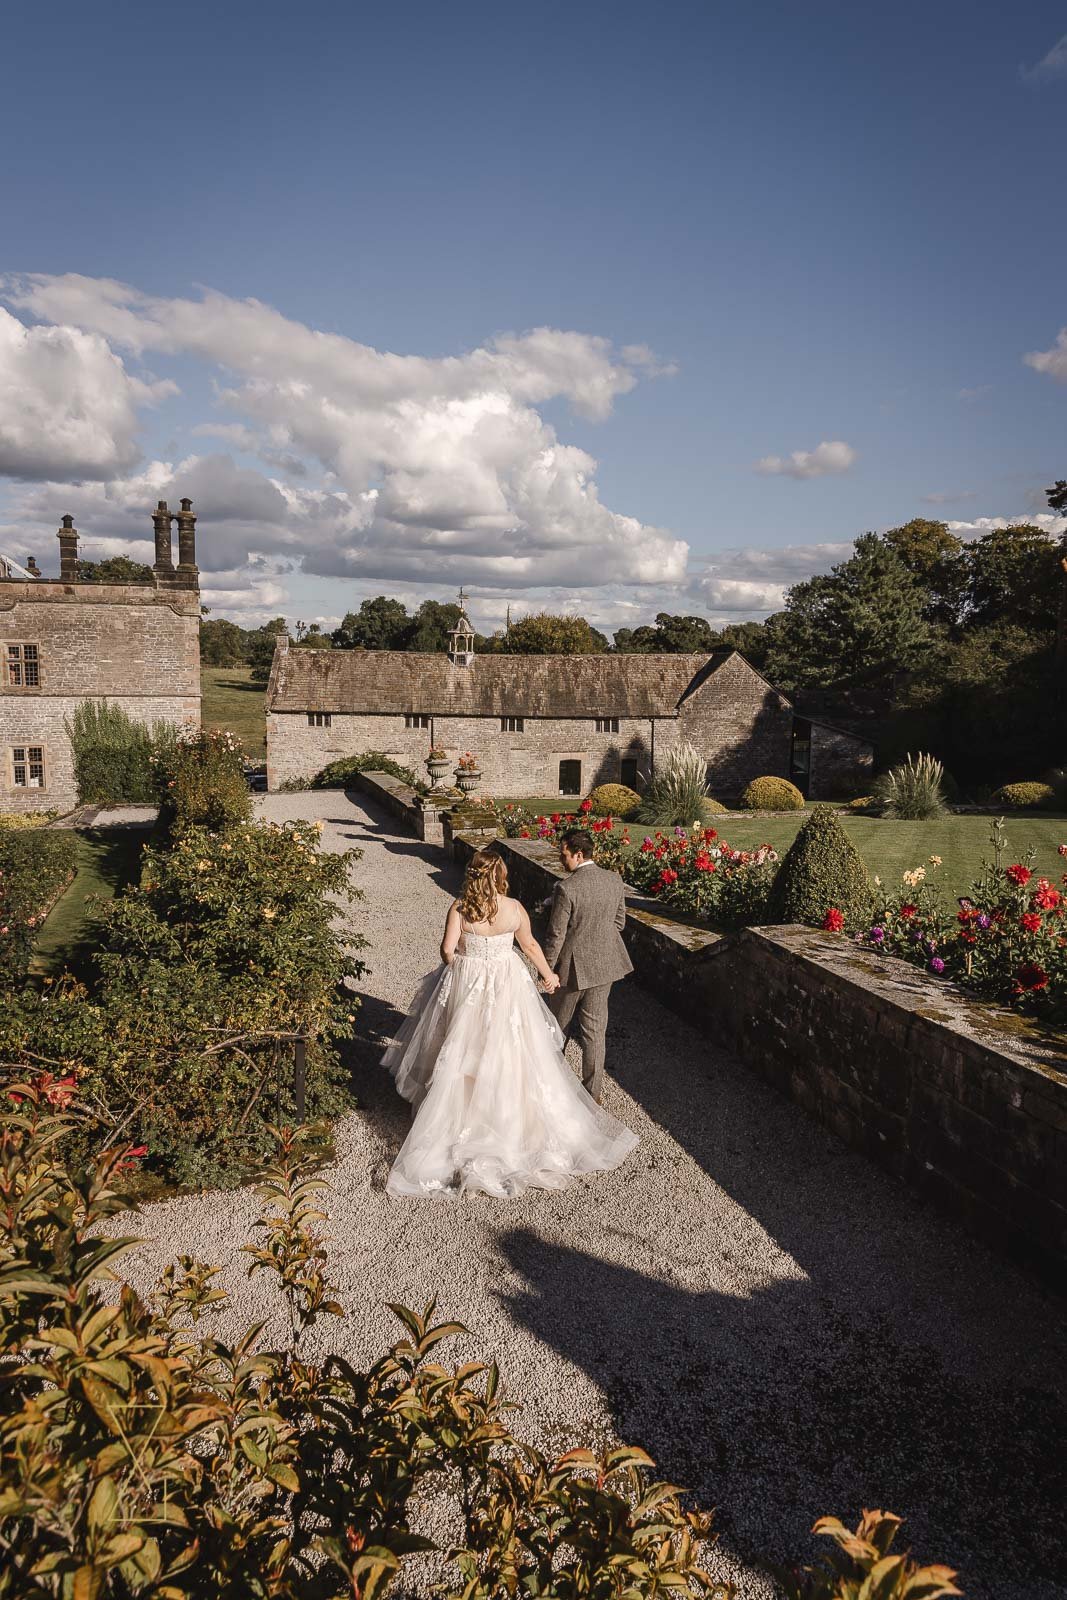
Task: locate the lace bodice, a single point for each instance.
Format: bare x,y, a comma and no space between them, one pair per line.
486,946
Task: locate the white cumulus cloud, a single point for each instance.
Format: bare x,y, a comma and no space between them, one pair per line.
829,457
444,468
1053,361
67,403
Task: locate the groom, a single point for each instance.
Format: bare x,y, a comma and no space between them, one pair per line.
583,944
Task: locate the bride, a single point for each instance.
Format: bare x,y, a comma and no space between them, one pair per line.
481,1058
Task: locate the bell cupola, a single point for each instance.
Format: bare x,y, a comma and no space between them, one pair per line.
461,638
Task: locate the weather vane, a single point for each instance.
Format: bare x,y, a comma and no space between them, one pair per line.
462,599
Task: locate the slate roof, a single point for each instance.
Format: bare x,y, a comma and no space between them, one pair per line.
391,681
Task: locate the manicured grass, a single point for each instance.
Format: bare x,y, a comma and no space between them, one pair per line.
232,701
892,848
108,858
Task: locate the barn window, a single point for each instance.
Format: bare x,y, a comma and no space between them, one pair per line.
513,724
27,766
23,666
607,724
417,721
320,719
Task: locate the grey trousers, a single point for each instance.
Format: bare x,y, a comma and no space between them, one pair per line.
584,1013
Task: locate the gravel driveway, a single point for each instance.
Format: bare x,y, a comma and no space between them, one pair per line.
788,1331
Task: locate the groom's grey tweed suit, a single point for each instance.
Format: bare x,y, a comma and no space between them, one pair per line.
583,944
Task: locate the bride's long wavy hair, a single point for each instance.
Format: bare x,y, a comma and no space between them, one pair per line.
486,881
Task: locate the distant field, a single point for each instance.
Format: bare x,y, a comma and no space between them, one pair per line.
232,701
892,848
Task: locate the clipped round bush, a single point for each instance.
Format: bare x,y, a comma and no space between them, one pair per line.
1025,796
772,794
822,869
862,804
614,800
714,808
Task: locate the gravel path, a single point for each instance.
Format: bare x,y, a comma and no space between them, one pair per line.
785,1329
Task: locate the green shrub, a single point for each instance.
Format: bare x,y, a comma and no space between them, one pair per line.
200,781
678,792
715,808
229,936
1025,796
113,754
772,794
339,774
35,865
141,1454
822,869
914,791
614,800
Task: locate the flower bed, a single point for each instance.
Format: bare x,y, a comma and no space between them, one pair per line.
1005,941
36,864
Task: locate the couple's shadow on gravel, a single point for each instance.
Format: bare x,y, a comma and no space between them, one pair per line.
777,1408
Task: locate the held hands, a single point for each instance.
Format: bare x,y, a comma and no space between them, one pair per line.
551,983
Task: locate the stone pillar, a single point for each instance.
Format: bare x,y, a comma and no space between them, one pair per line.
187,567
68,551
161,520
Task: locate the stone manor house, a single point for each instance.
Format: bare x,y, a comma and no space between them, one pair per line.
64,640
549,725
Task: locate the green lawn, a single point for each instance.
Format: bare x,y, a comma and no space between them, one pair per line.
232,701
892,848
108,858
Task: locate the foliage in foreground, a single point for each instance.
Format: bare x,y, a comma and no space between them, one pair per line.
143,1455
340,773
227,938
914,791
678,790
35,864
822,869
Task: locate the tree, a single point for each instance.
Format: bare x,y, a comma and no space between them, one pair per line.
935,558
670,635
544,634
114,569
379,624
857,628
261,645
222,643
431,626
309,636
1013,575
1057,500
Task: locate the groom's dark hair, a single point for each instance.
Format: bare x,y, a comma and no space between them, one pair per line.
578,842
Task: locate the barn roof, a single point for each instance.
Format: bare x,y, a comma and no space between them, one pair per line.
391,681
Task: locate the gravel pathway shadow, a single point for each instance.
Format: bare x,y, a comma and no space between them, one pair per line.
787,1330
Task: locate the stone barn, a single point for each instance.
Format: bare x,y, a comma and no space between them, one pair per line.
64,640
548,725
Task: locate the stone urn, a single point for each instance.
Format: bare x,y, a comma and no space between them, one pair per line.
437,766
468,778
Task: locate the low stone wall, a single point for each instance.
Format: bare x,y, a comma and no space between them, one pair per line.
958,1099
400,800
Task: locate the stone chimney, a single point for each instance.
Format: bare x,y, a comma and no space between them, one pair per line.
187,567
163,565
32,567
68,551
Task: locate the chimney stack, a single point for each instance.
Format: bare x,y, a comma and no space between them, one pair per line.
68,551
161,520
31,566
187,542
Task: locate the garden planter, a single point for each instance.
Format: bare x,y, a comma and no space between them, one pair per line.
437,771
468,779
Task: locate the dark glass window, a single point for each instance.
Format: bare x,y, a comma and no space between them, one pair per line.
570,777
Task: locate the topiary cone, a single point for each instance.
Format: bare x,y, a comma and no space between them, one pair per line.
822,868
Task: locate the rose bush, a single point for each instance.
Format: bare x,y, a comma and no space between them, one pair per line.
35,866
200,780
228,937
1006,940
695,870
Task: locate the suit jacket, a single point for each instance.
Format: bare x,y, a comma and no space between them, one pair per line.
583,942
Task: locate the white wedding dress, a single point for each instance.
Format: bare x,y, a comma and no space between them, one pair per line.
498,1109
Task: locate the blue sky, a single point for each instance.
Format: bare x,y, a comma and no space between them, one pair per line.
762,230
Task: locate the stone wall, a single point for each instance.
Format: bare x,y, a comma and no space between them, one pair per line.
954,1097
133,644
513,764
739,722
842,764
